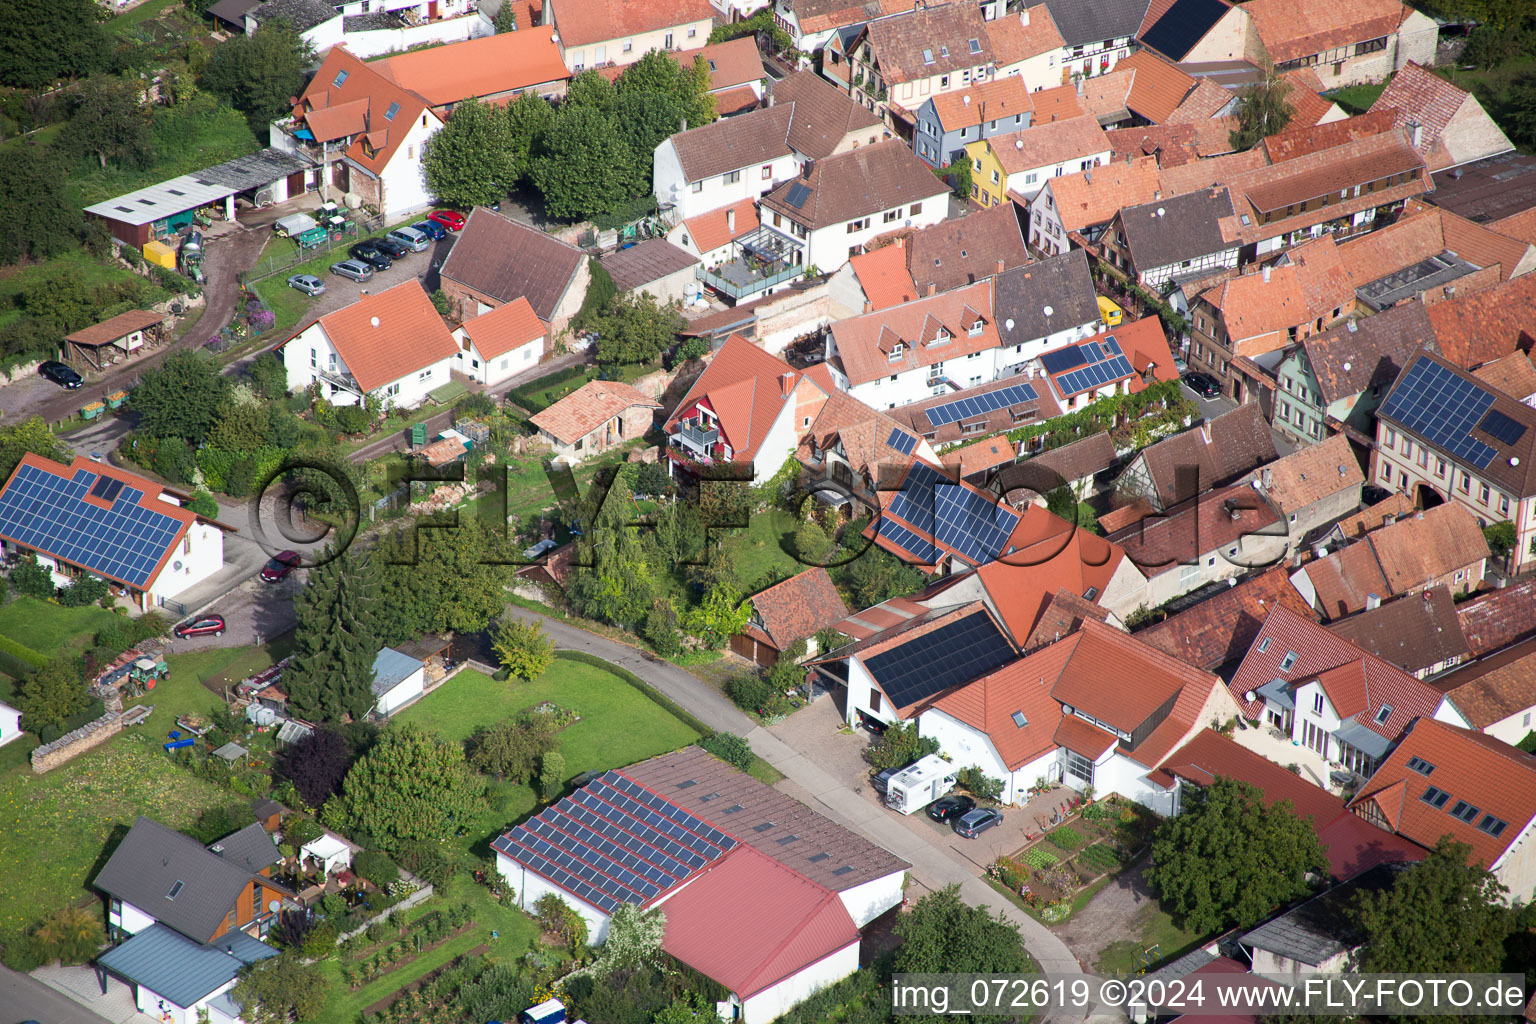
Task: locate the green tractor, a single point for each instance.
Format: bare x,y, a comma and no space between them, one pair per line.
143,675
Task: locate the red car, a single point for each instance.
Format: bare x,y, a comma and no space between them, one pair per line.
208,625
282,563
453,220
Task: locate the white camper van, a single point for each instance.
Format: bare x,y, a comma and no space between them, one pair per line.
920,784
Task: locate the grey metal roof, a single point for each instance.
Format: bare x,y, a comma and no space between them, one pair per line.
179,969
262,167
251,848
1093,21
1362,737
1279,691
644,262
390,669
190,191
150,861
1320,928
1021,295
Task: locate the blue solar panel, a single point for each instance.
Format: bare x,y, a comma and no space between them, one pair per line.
1094,375
1442,408
902,441
973,524
125,542
965,408
920,550
1062,359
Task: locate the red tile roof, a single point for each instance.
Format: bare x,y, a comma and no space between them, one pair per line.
1049,142
1419,97
1312,138
1490,775
1093,197
964,250
1258,309
1057,103
1045,554
1064,615
1514,374
504,328
356,106
580,22
1019,35
1186,532
1310,474
980,456
1118,679
1221,628
799,606
1207,455
1079,737
588,408
1308,105
1362,688
1290,29
985,101
485,66
1481,327
710,230
883,276
1159,86
1022,687
388,335
1496,688
746,388
866,343
1284,632
1498,618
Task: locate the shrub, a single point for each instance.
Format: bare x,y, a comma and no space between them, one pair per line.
31,579
730,748
333,905
660,631
899,746
320,943
376,867
351,419
69,935
980,785
748,692
1010,872
301,830
551,774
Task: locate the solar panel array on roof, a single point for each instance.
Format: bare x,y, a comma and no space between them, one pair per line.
932,662
47,512
1182,26
797,195
901,441
1100,363
921,551
1499,426
992,401
1443,408
1063,359
106,488
614,842
1094,375
974,524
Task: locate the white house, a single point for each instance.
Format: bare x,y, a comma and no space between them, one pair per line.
10,724
398,679
500,343
594,33
88,518
392,345
724,162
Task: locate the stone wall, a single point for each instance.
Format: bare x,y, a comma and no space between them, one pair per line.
92,734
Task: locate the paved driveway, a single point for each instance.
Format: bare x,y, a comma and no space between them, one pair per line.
73,996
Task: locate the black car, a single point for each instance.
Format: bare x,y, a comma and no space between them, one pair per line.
61,374
946,808
388,246
1202,384
369,254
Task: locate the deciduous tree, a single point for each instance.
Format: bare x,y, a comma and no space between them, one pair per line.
1228,859
30,435
528,121
941,933
45,40
469,161
1262,110
523,649
280,990
412,787
53,694
259,73
40,220
110,124
331,675
510,748
443,580
182,398
585,169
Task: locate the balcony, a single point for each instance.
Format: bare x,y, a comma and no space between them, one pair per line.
761,260
697,437
345,381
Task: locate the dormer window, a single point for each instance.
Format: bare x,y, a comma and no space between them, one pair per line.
896,351
975,329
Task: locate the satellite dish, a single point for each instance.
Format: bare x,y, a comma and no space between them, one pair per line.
1248,695
275,905
1008,323
176,566
374,321
1049,311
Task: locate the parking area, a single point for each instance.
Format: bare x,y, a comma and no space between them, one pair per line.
254,612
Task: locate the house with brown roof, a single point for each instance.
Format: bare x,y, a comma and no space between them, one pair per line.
963,250
1444,780
811,24
1348,44
850,450
1217,629
502,343
735,72
1198,32
1494,619
1423,638
496,260
747,407
1514,374
1018,164
978,461
1083,203
1211,454
1026,43
792,610
595,417
655,267
1335,380
1095,36
1497,694
1442,546
391,344
1079,464
723,162
829,122
947,122
1254,314
366,131
1476,455
593,33
1446,124
1313,486
872,280
897,60
1177,238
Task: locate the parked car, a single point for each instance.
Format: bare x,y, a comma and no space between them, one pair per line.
282,563
1202,384
973,823
61,374
207,625
431,228
389,247
453,220
410,238
309,284
947,808
882,780
357,270
369,254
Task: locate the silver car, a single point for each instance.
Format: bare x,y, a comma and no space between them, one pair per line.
357,270
309,284
410,238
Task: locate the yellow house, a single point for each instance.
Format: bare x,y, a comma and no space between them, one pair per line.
989,182
1022,162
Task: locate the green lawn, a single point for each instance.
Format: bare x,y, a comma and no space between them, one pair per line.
1356,99
121,23
49,628
1154,928
759,551
528,491
93,273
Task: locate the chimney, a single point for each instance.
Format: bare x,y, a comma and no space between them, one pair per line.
1269,478
768,94
786,383
1418,135
1352,327
1297,558
931,289
1157,195
730,220
1265,272
1389,519
1372,602
869,307
1205,431
805,172
999,269
1450,291
682,124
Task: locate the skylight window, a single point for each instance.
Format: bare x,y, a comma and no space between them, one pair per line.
712,65
1435,797
341,76
975,45
846,869
1019,719
1288,661
1264,645
943,50
1421,766
175,890
1091,593
733,808
394,108
1384,714
817,857
764,827
927,56
690,782
1491,825
789,839
1463,811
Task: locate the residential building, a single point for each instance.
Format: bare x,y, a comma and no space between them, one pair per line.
500,344
657,268
747,408
1216,535
10,724
1083,203
1254,314
1514,374
844,201
812,23
1472,330
1044,305
736,78
947,123
1321,935
787,613
93,519
1447,125
366,133
1025,43
391,344
1348,44
1181,237
1313,486
872,280
1334,381
1497,695
317,23
1120,360
1309,107
1423,638
772,918
1079,465
593,33
1494,619
1105,98
829,122
495,69
1095,36
1216,630
1195,32
1442,435
496,260
708,236
978,461
1017,165
1443,780
1213,453
900,59
851,452
724,162
595,417
1159,89
980,411
1500,188
1442,546
963,250
179,980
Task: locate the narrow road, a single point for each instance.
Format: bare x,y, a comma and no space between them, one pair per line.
839,803
26,998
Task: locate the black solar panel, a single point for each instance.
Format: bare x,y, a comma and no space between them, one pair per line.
106,488
975,525
797,195
1443,408
1499,426
933,662
1182,26
920,551
978,405
1063,359
902,441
